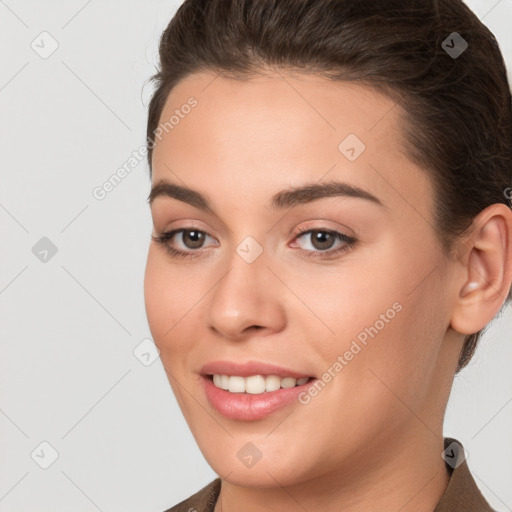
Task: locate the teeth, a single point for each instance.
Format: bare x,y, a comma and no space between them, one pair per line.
256,384
272,383
221,381
288,382
236,384
224,382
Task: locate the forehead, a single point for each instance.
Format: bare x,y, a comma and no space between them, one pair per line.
281,128
279,99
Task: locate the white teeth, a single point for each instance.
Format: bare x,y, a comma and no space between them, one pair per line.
236,384
221,381
224,382
272,383
256,384
288,382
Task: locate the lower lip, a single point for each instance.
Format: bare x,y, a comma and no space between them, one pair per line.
248,407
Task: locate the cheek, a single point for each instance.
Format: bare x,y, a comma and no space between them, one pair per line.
401,324
173,307
155,294
388,317
165,299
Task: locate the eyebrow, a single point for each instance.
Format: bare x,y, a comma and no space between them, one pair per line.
287,198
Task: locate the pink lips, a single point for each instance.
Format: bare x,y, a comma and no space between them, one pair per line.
245,406
249,368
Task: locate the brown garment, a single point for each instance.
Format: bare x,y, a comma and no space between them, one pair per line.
461,495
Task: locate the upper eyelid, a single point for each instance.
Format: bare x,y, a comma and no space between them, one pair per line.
345,230
300,231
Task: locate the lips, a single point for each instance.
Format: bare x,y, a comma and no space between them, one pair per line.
243,404
250,368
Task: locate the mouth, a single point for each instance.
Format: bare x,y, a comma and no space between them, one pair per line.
252,390
255,384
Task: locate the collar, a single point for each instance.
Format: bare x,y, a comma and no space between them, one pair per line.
462,492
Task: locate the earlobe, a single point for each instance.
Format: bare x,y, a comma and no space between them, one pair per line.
487,270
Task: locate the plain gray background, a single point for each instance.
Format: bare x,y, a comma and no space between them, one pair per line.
69,325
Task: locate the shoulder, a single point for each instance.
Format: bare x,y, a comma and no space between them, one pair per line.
202,501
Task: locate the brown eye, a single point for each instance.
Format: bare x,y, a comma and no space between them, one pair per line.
322,240
185,243
192,239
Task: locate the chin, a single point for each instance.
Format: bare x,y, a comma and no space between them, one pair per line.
240,463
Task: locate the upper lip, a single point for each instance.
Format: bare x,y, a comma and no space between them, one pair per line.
249,368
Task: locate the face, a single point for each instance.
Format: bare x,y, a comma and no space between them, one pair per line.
342,284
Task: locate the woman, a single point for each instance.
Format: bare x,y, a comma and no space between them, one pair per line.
331,235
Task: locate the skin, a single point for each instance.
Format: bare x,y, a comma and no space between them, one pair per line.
372,438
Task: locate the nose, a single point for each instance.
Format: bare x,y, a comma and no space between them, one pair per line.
247,299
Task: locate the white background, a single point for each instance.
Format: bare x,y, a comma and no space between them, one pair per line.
68,375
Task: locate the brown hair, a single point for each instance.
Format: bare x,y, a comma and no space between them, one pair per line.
457,109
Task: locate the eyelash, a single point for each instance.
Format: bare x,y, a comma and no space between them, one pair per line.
163,239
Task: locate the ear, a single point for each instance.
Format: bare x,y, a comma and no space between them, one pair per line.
487,270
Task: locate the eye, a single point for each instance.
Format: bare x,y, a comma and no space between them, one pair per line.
321,242
189,238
